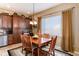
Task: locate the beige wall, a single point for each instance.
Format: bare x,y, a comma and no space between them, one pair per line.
75,21
75,24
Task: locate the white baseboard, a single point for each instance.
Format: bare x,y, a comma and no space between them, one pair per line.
76,53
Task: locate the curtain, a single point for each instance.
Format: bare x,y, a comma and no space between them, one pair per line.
67,40
39,24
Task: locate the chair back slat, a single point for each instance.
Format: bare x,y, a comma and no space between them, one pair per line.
27,42
23,41
52,44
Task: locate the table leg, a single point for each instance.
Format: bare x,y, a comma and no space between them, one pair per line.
38,51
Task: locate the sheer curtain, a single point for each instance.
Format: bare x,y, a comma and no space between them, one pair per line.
52,25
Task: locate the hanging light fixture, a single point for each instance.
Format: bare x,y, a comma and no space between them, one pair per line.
33,22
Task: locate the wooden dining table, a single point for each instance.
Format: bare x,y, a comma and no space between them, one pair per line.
40,42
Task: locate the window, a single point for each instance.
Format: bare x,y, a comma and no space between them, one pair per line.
52,25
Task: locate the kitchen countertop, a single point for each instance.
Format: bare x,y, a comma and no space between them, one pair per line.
3,34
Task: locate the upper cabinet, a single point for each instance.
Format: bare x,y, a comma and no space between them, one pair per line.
0,22
5,21
16,20
27,23
15,23
21,24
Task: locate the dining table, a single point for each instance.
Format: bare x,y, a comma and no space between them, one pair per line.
40,42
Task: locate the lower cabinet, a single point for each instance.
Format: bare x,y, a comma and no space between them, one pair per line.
13,39
10,39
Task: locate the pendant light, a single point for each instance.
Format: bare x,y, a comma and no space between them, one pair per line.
33,22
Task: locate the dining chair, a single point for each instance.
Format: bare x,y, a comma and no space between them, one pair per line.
45,35
48,51
23,43
27,44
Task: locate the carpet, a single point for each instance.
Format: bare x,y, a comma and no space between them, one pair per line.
18,52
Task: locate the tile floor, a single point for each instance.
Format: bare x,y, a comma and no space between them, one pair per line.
3,50
18,52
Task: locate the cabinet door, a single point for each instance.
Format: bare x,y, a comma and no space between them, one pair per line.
0,22
27,23
15,22
10,40
9,21
6,21
22,23
16,38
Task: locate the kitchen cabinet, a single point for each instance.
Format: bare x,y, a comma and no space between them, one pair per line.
18,24
13,39
21,24
14,25
6,21
10,39
28,25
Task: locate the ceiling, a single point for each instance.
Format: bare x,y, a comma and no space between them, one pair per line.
27,7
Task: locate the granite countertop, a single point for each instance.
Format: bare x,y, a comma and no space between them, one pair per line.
2,34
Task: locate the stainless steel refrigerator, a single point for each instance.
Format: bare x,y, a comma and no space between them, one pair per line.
3,38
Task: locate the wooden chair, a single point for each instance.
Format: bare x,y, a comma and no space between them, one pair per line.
27,44
23,43
45,35
50,49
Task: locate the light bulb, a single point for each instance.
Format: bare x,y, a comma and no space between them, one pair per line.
35,22
31,22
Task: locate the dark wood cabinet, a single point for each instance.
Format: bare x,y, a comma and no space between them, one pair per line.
13,39
16,20
21,24
10,39
28,25
6,20
16,25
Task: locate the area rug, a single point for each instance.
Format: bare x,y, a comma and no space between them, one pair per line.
18,52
